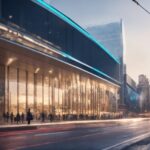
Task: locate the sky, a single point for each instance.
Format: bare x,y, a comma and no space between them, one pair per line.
136,23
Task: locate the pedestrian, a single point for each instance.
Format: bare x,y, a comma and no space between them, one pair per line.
43,116
12,117
22,117
7,117
29,116
18,118
15,119
50,117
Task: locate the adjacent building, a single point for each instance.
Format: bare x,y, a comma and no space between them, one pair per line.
112,36
144,92
131,96
50,64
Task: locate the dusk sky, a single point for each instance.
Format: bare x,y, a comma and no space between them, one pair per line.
136,21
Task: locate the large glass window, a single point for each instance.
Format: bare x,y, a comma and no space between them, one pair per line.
12,93
50,94
31,91
56,96
39,95
46,95
65,94
74,95
22,91
61,90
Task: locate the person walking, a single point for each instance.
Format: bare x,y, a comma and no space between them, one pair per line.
11,117
22,117
43,116
29,116
50,117
7,117
18,118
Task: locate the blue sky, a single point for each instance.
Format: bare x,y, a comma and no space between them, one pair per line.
136,22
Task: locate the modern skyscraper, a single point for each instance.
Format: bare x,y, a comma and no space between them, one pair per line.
144,93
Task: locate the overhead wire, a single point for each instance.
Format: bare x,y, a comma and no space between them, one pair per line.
136,2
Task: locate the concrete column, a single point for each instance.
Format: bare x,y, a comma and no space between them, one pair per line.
7,91
35,93
17,90
2,90
26,91
42,93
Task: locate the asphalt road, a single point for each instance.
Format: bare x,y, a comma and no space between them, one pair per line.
97,136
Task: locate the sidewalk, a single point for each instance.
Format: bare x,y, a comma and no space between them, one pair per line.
36,125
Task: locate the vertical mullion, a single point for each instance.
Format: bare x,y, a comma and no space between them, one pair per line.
49,94
17,90
42,93
35,94
5,92
8,71
26,90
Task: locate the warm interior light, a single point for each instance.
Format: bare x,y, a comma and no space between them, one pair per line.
50,71
10,61
37,70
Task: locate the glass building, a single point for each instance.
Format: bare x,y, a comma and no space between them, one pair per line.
112,36
50,64
131,94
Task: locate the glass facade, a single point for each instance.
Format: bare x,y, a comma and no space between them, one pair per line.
131,94
112,37
74,44
60,91
131,99
53,66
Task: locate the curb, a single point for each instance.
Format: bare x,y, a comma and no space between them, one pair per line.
19,128
6,128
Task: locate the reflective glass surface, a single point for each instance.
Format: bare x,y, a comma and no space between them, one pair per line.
61,92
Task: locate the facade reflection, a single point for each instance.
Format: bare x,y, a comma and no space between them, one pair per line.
60,93
67,73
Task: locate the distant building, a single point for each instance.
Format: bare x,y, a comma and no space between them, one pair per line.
144,92
131,96
112,37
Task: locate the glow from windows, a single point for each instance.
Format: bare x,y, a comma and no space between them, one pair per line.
50,71
10,61
37,70
61,53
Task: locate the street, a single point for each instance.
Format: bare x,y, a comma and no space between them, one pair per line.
92,136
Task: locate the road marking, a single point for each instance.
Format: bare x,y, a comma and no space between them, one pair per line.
130,140
53,133
78,137
51,142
